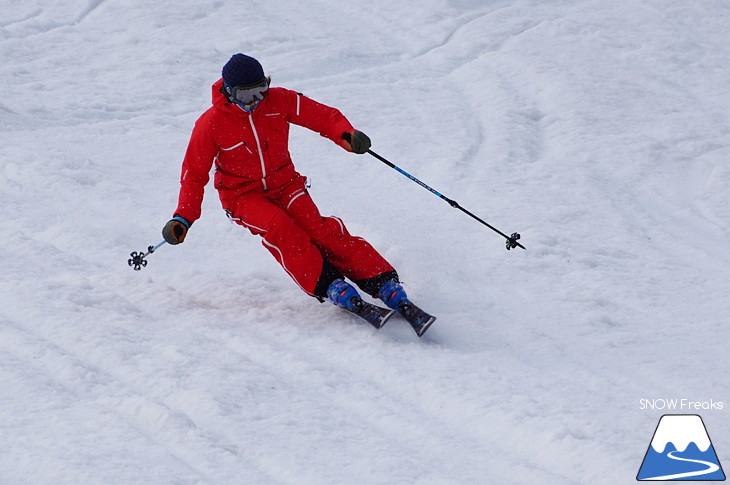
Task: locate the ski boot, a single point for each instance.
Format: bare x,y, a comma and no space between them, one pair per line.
345,296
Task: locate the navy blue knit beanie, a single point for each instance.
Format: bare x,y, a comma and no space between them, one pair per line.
242,70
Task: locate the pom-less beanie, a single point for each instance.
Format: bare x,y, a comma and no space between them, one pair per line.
242,70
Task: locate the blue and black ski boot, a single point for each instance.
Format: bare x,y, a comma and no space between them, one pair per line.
345,296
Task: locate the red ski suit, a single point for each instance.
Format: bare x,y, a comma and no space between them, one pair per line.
261,190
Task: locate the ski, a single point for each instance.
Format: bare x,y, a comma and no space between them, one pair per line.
373,314
377,316
419,319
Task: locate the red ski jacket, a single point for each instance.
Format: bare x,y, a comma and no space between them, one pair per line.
250,150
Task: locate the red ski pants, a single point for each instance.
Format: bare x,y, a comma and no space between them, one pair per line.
306,244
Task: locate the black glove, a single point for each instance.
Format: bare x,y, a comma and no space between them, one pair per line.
175,230
358,141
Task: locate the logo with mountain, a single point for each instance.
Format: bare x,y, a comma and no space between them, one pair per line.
681,450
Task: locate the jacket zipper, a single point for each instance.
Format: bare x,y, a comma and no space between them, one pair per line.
261,155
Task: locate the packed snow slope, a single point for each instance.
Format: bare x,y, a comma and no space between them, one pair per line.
598,130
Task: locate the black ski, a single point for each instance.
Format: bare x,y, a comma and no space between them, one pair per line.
419,320
377,316
373,314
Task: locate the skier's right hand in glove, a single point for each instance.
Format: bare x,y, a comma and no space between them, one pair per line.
175,230
357,141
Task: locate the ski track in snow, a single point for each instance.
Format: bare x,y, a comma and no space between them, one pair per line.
599,131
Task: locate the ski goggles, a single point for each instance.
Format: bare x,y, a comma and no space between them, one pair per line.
250,93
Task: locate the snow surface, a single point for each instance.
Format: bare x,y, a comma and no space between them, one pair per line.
598,130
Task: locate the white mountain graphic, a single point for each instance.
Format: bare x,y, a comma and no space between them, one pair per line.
680,430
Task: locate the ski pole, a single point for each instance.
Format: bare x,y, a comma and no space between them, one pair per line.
137,260
511,240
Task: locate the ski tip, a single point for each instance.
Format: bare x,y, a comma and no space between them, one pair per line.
422,329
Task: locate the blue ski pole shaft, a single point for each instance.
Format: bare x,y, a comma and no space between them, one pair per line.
511,240
154,248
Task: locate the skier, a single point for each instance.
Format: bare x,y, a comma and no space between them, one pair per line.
245,134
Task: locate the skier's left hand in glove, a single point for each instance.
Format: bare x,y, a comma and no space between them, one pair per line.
175,230
357,141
